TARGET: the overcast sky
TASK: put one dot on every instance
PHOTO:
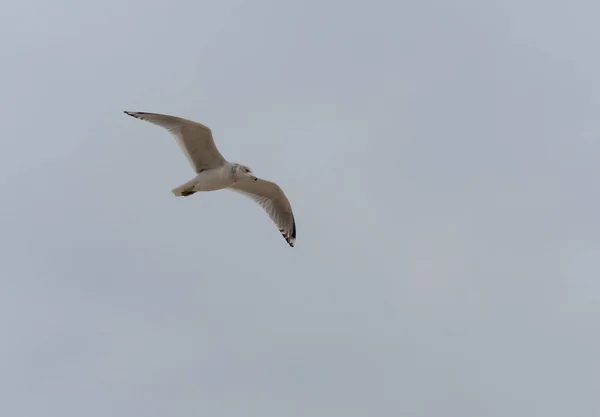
(442, 159)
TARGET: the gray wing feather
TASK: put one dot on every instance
(195, 139)
(273, 200)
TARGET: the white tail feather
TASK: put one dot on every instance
(185, 189)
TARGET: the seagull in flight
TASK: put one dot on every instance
(213, 172)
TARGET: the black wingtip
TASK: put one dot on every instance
(136, 114)
(292, 239)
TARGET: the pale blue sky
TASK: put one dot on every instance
(442, 159)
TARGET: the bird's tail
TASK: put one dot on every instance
(185, 190)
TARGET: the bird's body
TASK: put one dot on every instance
(211, 179)
(213, 172)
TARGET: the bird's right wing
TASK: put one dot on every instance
(271, 198)
(195, 139)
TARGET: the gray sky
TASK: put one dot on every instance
(442, 159)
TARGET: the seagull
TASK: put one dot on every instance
(213, 172)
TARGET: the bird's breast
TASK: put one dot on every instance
(214, 179)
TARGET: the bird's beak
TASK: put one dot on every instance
(253, 177)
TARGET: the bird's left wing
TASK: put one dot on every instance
(195, 139)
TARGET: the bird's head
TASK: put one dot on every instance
(242, 171)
